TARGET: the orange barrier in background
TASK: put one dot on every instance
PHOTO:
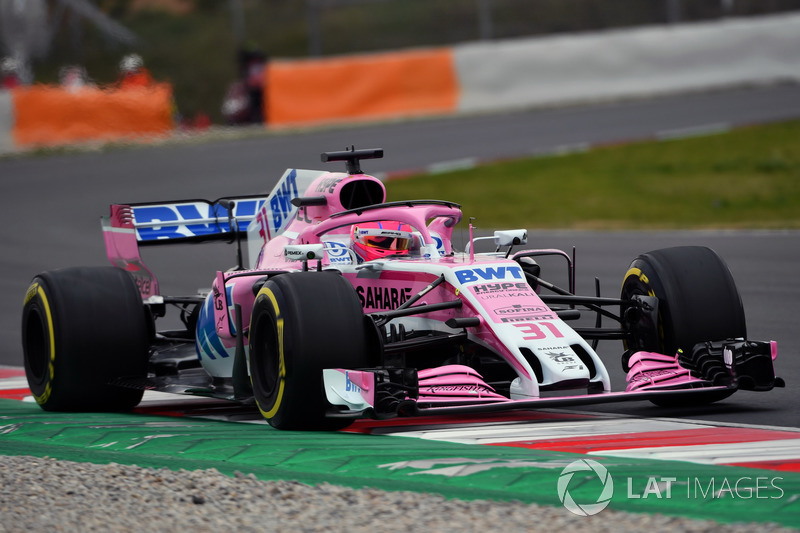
(46, 115)
(361, 87)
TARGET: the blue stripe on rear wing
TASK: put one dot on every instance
(176, 221)
(202, 220)
(193, 220)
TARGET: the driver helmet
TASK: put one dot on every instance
(375, 240)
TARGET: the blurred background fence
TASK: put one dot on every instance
(343, 26)
(194, 44)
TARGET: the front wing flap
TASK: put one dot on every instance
(411, 407)
(455, 389)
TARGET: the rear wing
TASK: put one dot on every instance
(187, 220)
(180, 221)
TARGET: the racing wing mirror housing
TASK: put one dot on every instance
(305, 253)
(511, 237)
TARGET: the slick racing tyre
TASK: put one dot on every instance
(81, 329)
(302, 323)
(697, 302)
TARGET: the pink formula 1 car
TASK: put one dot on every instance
(353, 307)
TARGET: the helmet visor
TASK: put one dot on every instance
(386, 243)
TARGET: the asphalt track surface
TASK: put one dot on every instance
(52, 204)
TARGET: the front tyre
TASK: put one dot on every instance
(697, 301)
(301, 324)
(81, 329)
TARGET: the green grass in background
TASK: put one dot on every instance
(746, 178)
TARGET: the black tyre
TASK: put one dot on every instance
(697, 301)
(82, 328)
(302, 323)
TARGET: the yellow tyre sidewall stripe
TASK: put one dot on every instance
(266, 292)
(636, 272)
(36, 290)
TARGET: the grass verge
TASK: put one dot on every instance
(746, 178)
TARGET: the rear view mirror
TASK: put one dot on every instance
(510, 237)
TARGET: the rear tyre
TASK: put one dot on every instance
(302, 323)
(82, 328)
(697, 302)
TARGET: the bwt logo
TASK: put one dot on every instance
(489, 273)
(280, 203)
(349, 386)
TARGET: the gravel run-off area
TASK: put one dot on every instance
(44, 494)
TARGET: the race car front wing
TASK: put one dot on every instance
(711, 367)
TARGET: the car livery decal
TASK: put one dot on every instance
(280, 202)
(275, 214)
(208, 343)
(489, 273)
(383, 298)
(522, 313)
(190, 219)
(338, 252)
(231, 307)
(504, 290)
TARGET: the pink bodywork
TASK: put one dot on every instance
(649, 370)
(387, 288)
(446, 384)
(123, 249)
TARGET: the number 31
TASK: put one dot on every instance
(534, 333)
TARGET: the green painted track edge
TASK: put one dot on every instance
(354, 460)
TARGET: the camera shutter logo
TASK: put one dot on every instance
(585, 509)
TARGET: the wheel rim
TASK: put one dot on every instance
(633, 286)
(268, 370)
(36, 347)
